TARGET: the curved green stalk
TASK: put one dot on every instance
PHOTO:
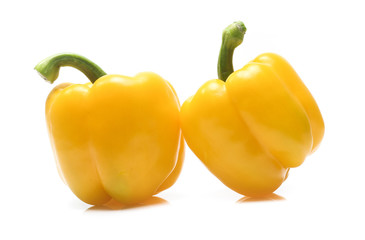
(232, 38)
(49, 68)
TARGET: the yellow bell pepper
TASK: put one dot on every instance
(250, 126)
(115, 138)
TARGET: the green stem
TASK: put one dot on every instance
(49, 68)
(232, 38)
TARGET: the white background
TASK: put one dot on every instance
(323, 40)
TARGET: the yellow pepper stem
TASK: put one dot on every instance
(232, 38)
(49, 68)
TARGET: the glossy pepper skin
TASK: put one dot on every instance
(252, 128)
(117, 138)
